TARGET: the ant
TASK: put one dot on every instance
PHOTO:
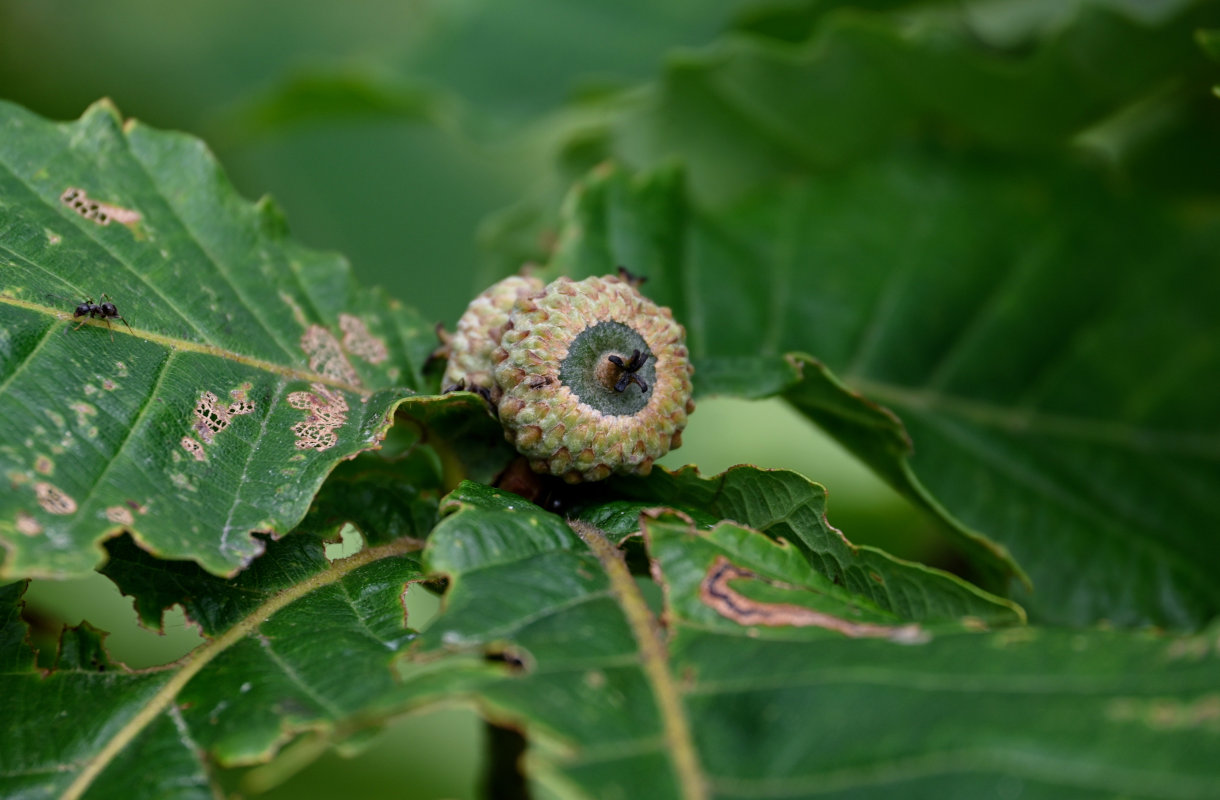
(104, 311)
(630, 368)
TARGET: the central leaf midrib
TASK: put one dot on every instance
(167, 301)
(222, 270)
(174, 344)
(56, 213)
(654, 660)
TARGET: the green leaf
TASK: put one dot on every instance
(315, 95)
(1041, 385)
(789, 507)
(766, 679)
(1209, 42)
(246, 368)
(748, 110)
(295, 644)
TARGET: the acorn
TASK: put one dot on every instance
(470, 348)
(594, 379)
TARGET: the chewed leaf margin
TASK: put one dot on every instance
(264, 675)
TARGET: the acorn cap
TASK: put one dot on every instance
(478, 333)
(595, 379)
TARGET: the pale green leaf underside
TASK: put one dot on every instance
(251, 365)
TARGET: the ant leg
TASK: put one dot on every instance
(125, 323)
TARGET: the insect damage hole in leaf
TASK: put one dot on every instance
(326, 412)
(211, 417)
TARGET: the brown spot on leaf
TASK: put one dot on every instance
(53, 499)
(44, 465)
(101, 213)
(211, 417)
(358, 341)
(193, 447)
(83, 412)
(119, 515)
(27, 525)
(326, 412)
(326, 356)
(716, 593)
(181, 481)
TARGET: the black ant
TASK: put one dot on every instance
(104, 311)
(630, 368)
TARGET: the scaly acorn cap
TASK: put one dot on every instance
(595, 379)
(478, 333)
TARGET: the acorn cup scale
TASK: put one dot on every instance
(469, 350)
(588, 377)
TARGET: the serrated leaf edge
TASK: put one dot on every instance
(194, 662)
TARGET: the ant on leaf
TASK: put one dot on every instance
(104, 311)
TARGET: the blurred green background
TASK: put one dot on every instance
(390, 131)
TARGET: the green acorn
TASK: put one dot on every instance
(595, 379)
(478, 333)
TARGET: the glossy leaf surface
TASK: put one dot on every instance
(751, 669)
(788, 506)
(768, 679)
(246, 367)
(296, 644)
(1017, 380)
